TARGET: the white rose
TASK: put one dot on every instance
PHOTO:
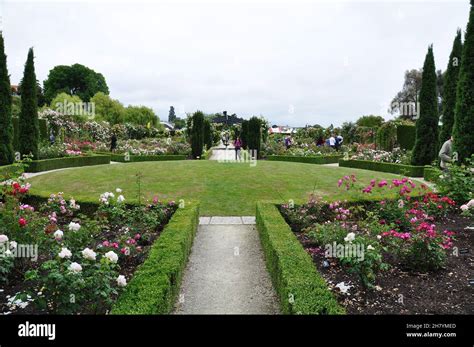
(74, 226)
(379, 237)
(350, 237)
(65, 253)
(112, 256)
(464, 207)
(120, 198)
(75, 267)
(3, 238)
(370, 248)
(7, 253)
(58, 235)
(121, 281)
(88, 253)
(13, 244)
(118, 190)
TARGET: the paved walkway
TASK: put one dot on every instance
(226, 272)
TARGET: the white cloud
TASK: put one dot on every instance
(332, 61)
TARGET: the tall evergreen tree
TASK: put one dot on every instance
(197, 134)
(208, 140)
(245, 133)
(6, 126)
(464, 113)
(28, 127)
(450, 86)
(425, 150)
(171, 115)
(254, 140)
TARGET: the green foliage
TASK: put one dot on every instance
(76, 79)
(197, 134)
(387, 136)
(29, 127)
(171, 115)
(431, 174)
(450, 86)
(6, 127)
(60, 163)
(140, 115)
(208, 134)
(370, 121)
(406, 135)
(108, 109)
(137, 158)
(244, 133)
(458, 182)
(301, 289)
(408, 170)
(426, 149)
(254, 139)
(464, 113)
(155, 285)
(324, 159)
(63, 99)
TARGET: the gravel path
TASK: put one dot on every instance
(226, 272)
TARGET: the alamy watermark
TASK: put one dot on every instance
(81, 108)
(17, 250)
(346, 250)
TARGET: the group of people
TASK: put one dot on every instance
(334, 141)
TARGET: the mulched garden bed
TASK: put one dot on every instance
(399, 291)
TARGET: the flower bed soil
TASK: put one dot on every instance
(399, 291)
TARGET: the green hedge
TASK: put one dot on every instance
(323, 159)
(155, 285)
(406, 136)
(407, 170)
(299, 285)
(16, 133)
(431, 174)
(61, 163)
(5, 170)
(137, 158)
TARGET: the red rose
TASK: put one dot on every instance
(22, 222)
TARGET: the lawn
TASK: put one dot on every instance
(226, 189)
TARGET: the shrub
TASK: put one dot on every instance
(61, 163)
(458, 181)
(254, 140)
(406, 136)
(300, 287)
(387, 136)
(408, 170)
(197, 134)
(155, 285)
(326, 159)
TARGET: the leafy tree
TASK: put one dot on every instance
(108, 109)
(197, 134)
(244, 134)
(6, 126)
(29, 127)
(450, 86)
(179, 123)
(76, 79)
(369, 121)
(63, 101)
(141, 115)
(349, 132)
(171, 115)
(464, 112)
(425, 150)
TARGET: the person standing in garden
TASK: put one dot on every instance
(332, 141)
(339, 140)
(113, 143)
(237, 146)
(445, 154)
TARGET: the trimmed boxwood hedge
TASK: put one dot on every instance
(6, 169)
(407, 170)
(323, 159)
(300, 287)
(61, 163)
(155, 285)
(137, 158)
(431, 174)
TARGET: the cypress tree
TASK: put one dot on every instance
(464, 113)
(197, 134)
(6, 125)
(245, 133)
(254, 135)
(29, 128)
(426, 142)
(208, 141)
(450, 86)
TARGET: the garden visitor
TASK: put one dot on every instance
(52, 138)
(288, 142)
(332, 142)
(320, 142)
(446, 153)
(339, 140)
(238, 146)
(113, 143)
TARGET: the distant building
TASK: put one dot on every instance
(226, 119)
(282, 129)
(15, 89)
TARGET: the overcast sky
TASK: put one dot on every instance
(294, 62)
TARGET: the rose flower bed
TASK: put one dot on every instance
(54, 259)
(409, 255)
